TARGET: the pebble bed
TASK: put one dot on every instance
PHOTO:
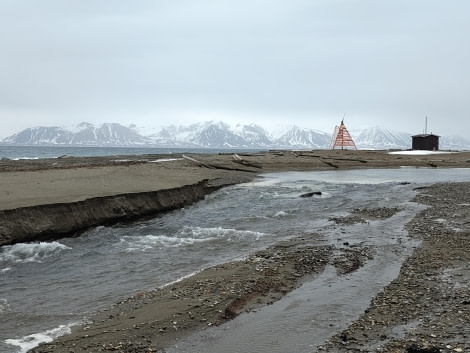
(427, 308)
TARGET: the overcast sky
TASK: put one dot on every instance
(306, 62)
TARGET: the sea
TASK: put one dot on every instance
(36, 152)
(48, 287)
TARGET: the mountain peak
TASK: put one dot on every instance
(214, 134)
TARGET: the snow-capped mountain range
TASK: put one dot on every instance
(215, 134)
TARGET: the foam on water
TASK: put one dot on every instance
(27, 342)
(186, 236)
(280, 214)
(147, 242)
(4, 306)
(4, 270)
(220, 233)
(29, 252)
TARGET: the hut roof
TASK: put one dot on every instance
(425, 135)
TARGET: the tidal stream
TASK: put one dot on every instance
(47, 287)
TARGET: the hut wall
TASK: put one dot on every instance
(428, 143)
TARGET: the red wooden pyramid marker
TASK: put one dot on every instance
(342, 138)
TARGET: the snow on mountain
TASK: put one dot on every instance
(453, 143)
(146, 130)
(253, 134)
(303, 138)
(165, 137)
(39, 136)
(86, 134)
(276, 131)
(215, 134)
(108, 134)
(379, 138)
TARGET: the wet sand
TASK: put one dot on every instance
(69, 179)
(426, 309)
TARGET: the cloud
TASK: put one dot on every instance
(388, 63)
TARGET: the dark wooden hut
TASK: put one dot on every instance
(428, 142)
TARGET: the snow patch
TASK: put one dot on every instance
(419, 152)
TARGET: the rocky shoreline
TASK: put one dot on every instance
(426, 309)
(153, 320)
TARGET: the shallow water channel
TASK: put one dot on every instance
(47, 287)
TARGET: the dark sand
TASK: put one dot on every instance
(47, 181)
(426, 309)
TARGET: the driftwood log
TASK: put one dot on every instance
(213, 166)
(329, 163)
(198, 162)
(237, 159)
(339, 159)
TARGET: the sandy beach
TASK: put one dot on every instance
(426, 309)
(39, 197)
(28, 183)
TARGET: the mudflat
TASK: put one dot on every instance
(425, 309)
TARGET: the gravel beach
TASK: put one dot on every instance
(425, 309)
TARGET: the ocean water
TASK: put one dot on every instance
(36, 152)
(47, 287)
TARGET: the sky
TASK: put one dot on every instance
(310, 63)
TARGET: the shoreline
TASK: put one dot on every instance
(56, 195)
(286, 265)
(425, 309)
(54, 221)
